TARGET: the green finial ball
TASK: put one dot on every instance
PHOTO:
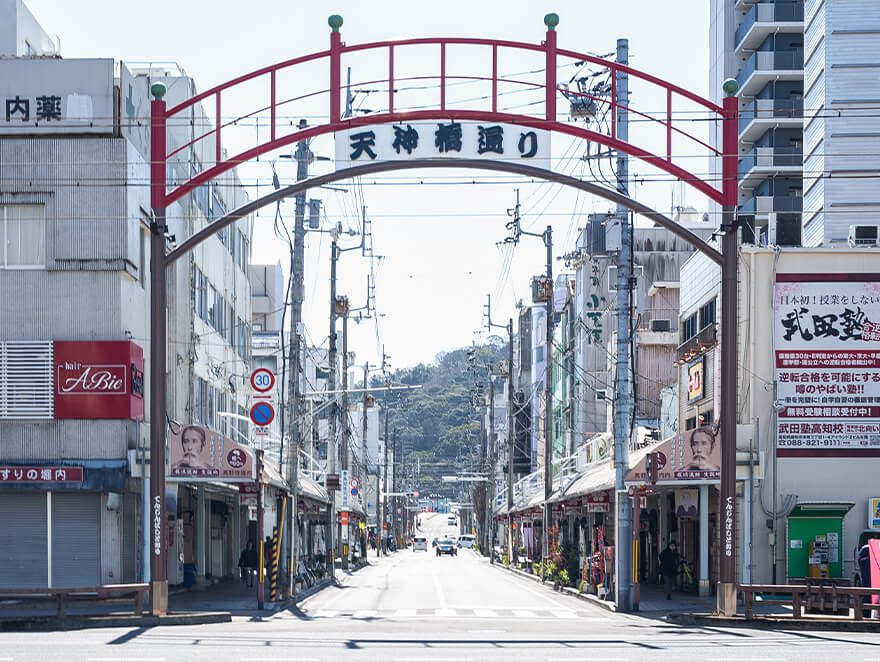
(157, 89)
(335, 22)
(730, 87)
(551, 21)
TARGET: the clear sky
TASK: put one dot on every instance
(436, 230)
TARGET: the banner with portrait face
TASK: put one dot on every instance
(694, 456)
(200, 454)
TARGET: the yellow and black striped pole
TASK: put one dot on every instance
(277, 535)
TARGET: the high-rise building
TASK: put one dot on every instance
(807, 73)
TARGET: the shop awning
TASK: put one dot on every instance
(310, 489)
(821, 509)
(594, 479)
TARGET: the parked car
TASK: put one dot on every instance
(446, 546)
(420, 543)
(466, 541)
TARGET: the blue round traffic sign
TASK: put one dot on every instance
(262, 413)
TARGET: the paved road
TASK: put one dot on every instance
(413, 606)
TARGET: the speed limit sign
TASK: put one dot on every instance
(262, 379)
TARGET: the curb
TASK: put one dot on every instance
(586, 597)
(769, 623)
(83, 622)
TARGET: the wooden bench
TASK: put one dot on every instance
(834, 597)
(91, 595)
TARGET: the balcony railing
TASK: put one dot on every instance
(770, 157)
(790, 60)
(658, 319)
(780, 12)
(770, 109)
(764, 204)
(706, 338)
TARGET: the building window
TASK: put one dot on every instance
(707, 314)
(22, 236)
(689, 328)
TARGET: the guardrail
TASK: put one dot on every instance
(819, 597)
(90, 595)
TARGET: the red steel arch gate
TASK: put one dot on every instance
(279, 136)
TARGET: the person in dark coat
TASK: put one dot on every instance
(248, 563)
(669, 567)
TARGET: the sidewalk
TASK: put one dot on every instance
(217, 603)
(653, 603)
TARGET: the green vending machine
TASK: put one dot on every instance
(815, 539)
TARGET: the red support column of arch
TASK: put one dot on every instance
(550, 75)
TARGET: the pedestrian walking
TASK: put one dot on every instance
(669, 561)
(248, 562)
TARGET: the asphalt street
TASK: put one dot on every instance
(413, 606)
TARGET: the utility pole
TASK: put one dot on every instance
(510, 429)
(395, 469)
(303, 157)
(332, 451)
(547, 237)
(342, 307)
(366, 473)
(382, 499)
(490, 474)
(511, 441)
(623, 404)
(548, 404)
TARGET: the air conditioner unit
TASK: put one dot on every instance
(661, 325)
(864, 235)
(784, 229)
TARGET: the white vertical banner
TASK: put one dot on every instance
(346, 488)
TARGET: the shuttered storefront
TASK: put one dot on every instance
(23, 545)
(76, 539)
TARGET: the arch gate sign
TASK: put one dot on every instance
(479, 133)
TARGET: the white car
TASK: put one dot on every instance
(466, 541)
(420, 543)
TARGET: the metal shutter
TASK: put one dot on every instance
(76, 539)
(23, 553)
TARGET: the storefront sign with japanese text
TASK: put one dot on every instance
(442, 139)
(41, 474)
(198, 453)
(55, 95)
(827, 346)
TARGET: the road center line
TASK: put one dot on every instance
(441, 598)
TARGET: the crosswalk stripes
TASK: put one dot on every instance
(523, 613)
(475, 612)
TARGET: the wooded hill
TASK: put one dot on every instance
(437, 426)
